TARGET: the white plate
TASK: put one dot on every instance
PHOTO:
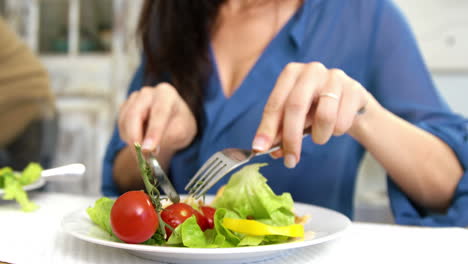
(324, 225)
(30, 187)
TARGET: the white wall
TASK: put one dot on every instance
(441, 27)
(454, 88)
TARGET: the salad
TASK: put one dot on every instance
(12, 184)
(245, 212)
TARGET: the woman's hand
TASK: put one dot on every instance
(158, 118)
(306, 95)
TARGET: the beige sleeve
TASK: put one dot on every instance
(25, 94)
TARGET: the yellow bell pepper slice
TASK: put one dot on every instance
(256, 228)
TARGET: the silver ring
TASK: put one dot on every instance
(331, 95)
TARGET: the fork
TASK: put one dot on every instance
(220, 164)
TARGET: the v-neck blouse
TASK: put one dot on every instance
(372, 43)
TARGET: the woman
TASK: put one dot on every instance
(219, 74)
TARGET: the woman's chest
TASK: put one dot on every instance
(239, 39)
(236, 50)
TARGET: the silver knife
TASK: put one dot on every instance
(162, 178)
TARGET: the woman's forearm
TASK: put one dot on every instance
(126, 173)
(422, 165)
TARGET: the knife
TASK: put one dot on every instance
(162, 178)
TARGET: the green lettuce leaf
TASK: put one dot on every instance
(213, 239)
(100, 213)
(12, 183)
(30, 174)
(192, 235)
(251, 241)
(248, 194)
(189, 234)
(176, 237)
(14, 191)
(4, 172)
(225, 235)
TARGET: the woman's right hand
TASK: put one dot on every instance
(157, 117)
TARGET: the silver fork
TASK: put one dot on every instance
(220, 164)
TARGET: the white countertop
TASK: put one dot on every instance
(37, 238)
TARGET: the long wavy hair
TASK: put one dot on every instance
(175, 36)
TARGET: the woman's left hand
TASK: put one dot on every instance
(306, 95)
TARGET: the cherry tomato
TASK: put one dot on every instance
(209, 212)
(176, 214)
(133, 217)
(202, 221)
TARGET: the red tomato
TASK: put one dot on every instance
(202, 221)
(133, 217)
(209, 212)
(176, 214)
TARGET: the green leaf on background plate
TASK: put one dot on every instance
(13, 190)
(30, 174)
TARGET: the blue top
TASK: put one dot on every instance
(372, 43)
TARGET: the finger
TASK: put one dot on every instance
(137, 116)
(273, 111)
(164, 100)
(277, 154)
(353, 101)
(124, 109)
(133, 117)
(277, 141)
(124, 106)
(329, 100)
(297, 106)
(122, 116)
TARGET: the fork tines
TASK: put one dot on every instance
(206, 176)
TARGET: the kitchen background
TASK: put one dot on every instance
(89, 48)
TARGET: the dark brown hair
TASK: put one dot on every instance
(175, 36)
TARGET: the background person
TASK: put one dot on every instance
(27, 110)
